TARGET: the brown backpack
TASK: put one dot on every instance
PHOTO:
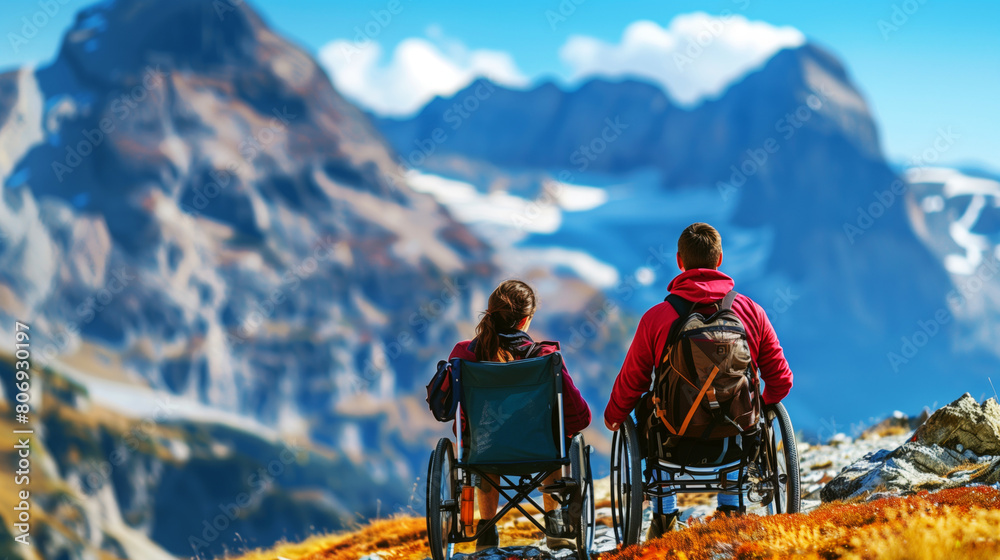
(706, 381)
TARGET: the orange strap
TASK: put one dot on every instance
(701, 395)
(713, 401)
(662, 415)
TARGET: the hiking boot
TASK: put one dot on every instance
(662, 524)
(489, 539)
(552, 525)
(730, 511)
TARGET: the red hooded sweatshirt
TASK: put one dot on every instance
(576, 412)
(704, 286)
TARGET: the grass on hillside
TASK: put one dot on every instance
(957, 523)
(57, 521)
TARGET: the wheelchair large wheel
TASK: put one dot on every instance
(442, 500)
(626, 484)
(579, 456)
(783, 456)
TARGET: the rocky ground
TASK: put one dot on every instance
(959, 445)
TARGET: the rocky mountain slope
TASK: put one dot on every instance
(190, 211)
(109, 485)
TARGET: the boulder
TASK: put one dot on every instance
(964, 422)
(958, 445)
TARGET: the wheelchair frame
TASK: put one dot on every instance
(771, 471)
(576, 483)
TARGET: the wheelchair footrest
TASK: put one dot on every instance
(559, 486)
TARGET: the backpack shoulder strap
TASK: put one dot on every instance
(683, 308)
(680, 305)
(727, 302)
(535, 348)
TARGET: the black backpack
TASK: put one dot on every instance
(441, 392)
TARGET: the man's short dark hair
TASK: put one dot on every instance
(699, 246)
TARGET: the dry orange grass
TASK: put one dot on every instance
(886, 430)
(958, 523)
(401, 537)
(396, 538)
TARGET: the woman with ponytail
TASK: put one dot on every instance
(501, 337)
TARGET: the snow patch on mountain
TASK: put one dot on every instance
(499, 213)
(147, 403)
(608, 231)
(487, 212)
(957, 216)
(961, 208)
(506, 221)
(583, 265)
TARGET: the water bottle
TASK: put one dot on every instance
(468, 510)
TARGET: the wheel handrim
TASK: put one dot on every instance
(621, 491)
(447, 497)
(780, 474)
(588, 507)
(585, 538)
(781, 501)
(441, 504)
(616, 496)
(627, 485)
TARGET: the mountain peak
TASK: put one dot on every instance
(548, 122)
(180, 34)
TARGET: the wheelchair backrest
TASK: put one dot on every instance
(698, 452)
(513, 410)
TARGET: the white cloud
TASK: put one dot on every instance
(695, 57)
(578, 198)
(416, 71)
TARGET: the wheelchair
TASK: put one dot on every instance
(767, 467)
(514, 430)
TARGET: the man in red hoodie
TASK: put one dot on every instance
(699, 255)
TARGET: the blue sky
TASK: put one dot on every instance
(939, 67)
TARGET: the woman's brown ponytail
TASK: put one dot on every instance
(508, 305)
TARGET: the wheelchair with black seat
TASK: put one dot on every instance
(766, 462)
(514, 430)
